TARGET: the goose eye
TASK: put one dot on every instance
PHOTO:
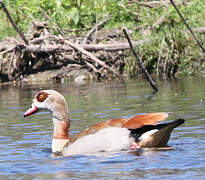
(42, 96)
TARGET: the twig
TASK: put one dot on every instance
(159, 21)
(147, 75)
(6, 59)
(165, 62)
(14, 24)
(92, 67)
(10, 65)
(7, 50)
(96, 27)
(54, 25)
(160, 54)
(39, 39)
(188, 27)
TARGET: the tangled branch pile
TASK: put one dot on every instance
(98, 53)
(46, 51)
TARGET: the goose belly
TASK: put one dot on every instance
(107, 139)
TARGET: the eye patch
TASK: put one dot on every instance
(42, 96)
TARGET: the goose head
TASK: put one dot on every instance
(55, 103)
(52, 101)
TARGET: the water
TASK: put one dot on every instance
(25, 143)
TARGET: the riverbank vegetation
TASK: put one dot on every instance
(161, 39)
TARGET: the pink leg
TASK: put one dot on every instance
(134, 145)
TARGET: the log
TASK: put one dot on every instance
(111, 46)
(38, 48)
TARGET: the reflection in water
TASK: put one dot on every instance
(25, 148)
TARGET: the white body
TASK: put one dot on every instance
(108, 139)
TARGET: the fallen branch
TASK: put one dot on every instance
(154, 4)
(92, 67)
(62, 47)
(144, 70)
(111, 46)
(199, 30)
(161, 20)
(93, 58)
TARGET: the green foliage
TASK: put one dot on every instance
(69, 13)
(172, 48)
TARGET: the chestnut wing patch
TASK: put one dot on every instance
(129, 123)
(145, 119)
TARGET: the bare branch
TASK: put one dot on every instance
(14, 24)
(141, 66)
(188, 27)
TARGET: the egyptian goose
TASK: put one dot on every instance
(113, 135)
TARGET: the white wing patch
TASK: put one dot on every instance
(108, 139)
(147, 134)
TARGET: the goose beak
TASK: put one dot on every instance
(31, 111)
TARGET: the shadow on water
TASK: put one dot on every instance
(25, 148)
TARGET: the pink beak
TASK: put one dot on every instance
(30, 111)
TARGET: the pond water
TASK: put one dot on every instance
(25, 143)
